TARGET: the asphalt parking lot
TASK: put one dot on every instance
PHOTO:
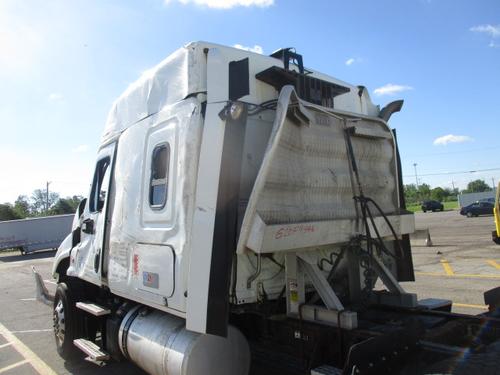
(462, 263)
(26, 340)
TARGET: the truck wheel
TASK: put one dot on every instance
(469, 214)
(67, 321)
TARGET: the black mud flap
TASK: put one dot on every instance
(492, 298)
(495, 238)
(383, 354)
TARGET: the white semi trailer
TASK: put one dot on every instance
(34, 233)
(242, 209)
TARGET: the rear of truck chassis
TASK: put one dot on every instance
(247, 216)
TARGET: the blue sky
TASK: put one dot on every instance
(62, 63)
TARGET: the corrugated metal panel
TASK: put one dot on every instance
(309, 177)
(305, 175)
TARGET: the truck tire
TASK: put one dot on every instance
(68, 323)
(469, 214)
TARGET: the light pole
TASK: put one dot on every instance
(47, 201)
(416, 177)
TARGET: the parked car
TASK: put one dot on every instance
(431, 205)
(477, 208)
(489, 200)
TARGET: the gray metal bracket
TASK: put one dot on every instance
(334, 314)
(395, 294)
(386, 276)
(321, 285)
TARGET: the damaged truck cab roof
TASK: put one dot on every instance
(184, 73)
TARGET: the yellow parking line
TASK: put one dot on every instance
(429, 274)
(493, 263)
(447, 267)
(482, 307)
(459, 276)
(14, 365)
(40, 366)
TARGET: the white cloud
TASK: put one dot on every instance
(353, 60)
(494, 45)
(226, 4)
(451, 138)
(493, 31)
(391, 89)
(55, 96)
(256, 48)
(80, 148)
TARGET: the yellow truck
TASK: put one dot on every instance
(496, 213)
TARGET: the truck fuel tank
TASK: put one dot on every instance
(160, 344)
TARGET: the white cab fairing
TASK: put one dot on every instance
(149, 245)
(156, 246)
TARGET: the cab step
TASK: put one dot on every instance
(326, 370)
(94, 353)
(93, 308)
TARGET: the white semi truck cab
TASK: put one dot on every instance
(245, 216)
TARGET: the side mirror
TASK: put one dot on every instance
(88, 226)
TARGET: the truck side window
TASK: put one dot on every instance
(159, 176)
(99, 190)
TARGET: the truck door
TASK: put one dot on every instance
(86, 260)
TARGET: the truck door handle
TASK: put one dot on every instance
(88, 226)
(97, 260)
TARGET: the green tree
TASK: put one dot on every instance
(75, 201)
(410, 191)
(22, 206)
(451, 194)
(438, 194)
(424, 191)
(7, 212)
(39, 201)
(66, 205)
(477, 186)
